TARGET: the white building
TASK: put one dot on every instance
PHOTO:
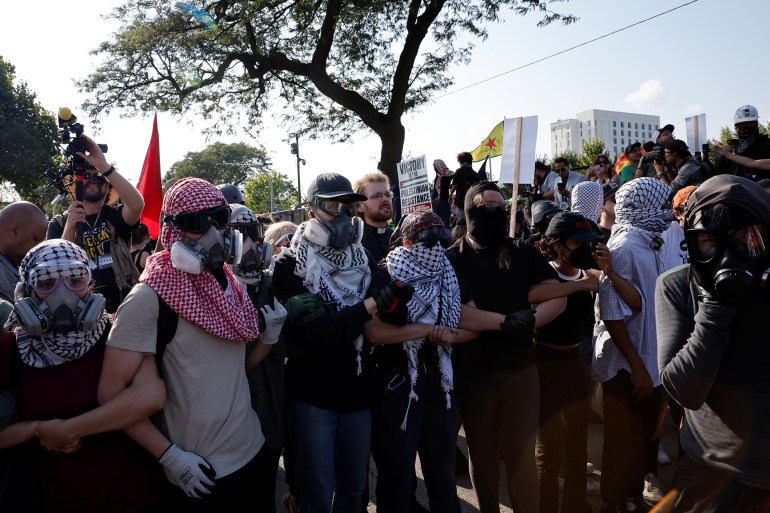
(616, 129)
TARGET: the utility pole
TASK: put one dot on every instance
(295, 151)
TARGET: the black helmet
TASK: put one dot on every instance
(232, 194)
(542, 208)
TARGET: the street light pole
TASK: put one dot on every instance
(295, 151)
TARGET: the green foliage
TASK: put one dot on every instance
(334, 67)
(28, 139)
(258, 192)
(572, 157)
(591, 150)
(221, 163)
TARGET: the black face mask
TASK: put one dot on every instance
(746, 132)
(487, 227)
(582, 258)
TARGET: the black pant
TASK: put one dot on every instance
(247, 489)
(563, 429)
(629, 425)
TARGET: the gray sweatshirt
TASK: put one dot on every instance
(715, 362)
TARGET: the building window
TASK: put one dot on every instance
(614, 132)
(614, 123)
(589, 132)
(621, 124)
(656, 127)
(636, 134)
(636, 125)
(622, 132)
(614, 140)
(589, 122)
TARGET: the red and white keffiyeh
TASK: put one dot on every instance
(198, 298)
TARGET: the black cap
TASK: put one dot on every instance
(678, 146)
(609, 188)
(631, 147)
(668, 127)
(648, 146)
(571, 225)
(332, 185)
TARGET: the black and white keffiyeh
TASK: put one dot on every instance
(436, 300)
(588, 200)
(642, 204)
(339, 277)
(56, 258)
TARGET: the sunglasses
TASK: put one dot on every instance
(286, 239)
(491, 205)
(253, 230)
(46, 285)
(200, 222)
(602, 163)
(335, 208)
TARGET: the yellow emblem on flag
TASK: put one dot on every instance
(491, 146)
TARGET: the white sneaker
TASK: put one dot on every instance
(589, 468)
(652, 492)
(663, 458)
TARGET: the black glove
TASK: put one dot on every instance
(395, 294)
(519, 323)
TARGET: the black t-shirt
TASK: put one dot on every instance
(445, 185)
(96, 242)
(498, 290)
(462, 180)
(567, 328)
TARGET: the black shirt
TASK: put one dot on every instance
(96, 242)
(462, 180)
(567, 328)
(376, 241)
(498, 290)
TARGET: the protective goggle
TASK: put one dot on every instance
(200, 222)
(433, 235)
(747, 243)
(253, 230)
(335, 208)
(285, 239)
(44, 283)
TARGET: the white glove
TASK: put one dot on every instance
(188, 471)
(274, 319)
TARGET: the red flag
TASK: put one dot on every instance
(149, 184)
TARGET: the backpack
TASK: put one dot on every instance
(167, 323)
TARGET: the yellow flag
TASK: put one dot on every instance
(491, 146)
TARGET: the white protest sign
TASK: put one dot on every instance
(413, 185)
(519, 141)
(696, 132)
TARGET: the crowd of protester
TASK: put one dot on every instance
(141, 375)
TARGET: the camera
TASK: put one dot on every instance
(74, 164)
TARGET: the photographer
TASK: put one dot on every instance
(681, 169)
(655, 152)
(543, 182)
(106, 229)
(750, 144)
(712, 319)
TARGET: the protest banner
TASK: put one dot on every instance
(413, 185)
(696, 132)
(518, 162)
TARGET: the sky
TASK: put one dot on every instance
(702, 58)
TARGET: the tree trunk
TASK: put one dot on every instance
(392, 148)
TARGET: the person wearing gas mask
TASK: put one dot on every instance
(265, 358)
(106, 229)
(712, 317)
(750, 144)
(563, 424)
(625, 352)
(209, 440)
(495, 378)
(324, 282)
(53, 353)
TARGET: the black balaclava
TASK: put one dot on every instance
(487, 227)
(728, 274)
(746, 136)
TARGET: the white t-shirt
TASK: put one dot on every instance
(208, 405)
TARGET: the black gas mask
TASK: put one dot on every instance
(730, 259)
